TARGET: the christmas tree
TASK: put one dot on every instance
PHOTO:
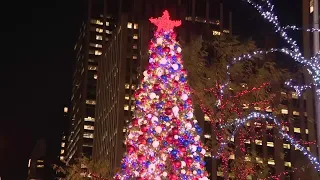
(163, 138)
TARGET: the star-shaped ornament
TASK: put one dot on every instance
(164, 22)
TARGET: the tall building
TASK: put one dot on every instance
(125, 57)
(95, 32)
(36, 163)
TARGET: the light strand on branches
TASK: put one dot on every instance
(254, 115)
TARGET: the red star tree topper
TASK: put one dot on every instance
(163, 138)
(164, 22)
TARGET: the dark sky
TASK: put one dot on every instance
(35, 76)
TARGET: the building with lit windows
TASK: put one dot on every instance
(36, 163)
(126, 55)
(94, 33)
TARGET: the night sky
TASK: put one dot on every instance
(35, 76)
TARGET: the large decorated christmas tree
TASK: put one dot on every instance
(163, 138)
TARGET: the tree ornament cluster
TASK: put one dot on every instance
(163, 138)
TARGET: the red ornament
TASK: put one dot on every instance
(182, 149)
(174, 120)
(153, 55)
(130, 149)
(177, 164)
(169, 104)
(189, 102)
(175, 131)
(143, 128)
(168, 111)
(164, 23)
(135, 121)
(175, 83)
(189, 160)
(173, 177)
(141, 157)
(166, 49)
(169, 138)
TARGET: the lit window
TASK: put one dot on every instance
(270, 144)
(126, 107)
(97, 52)
(286, 146)
(99, 30)
(226, 31)
(90, 67)
(63, 144)
(208, 136)
(135, 36)
(294, 95)
(61, 158)
(259, 160)
(297, 130)
(90, 119)
(132, 108)
(308, 148)
(133, 87)
(135, 46)
(269, 127)
(271, 162)
(296, 113)
(88, 135)
(284, 111)
(91, 102)
(208, 154)
(108, 32)
(88, 127)
(258, 142)
(288, 164)
(107, 23)
(40, 166)
(96, 45)
(283, 93)
(62, 151)
(247, 158)
(93, 21)
(257, 108)
(216, 33)
(231, 156)
(232, 139)
(65, 109)
(285, 128)
(206, 118)
(40, 161)
(307, 131)
(126, 97)
(98, 37)
(311, 6)
(129, 25)
(124, 130)
(135, 26)
(134, 57)
(95, 76)
(127, 86)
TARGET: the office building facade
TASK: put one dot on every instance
(94, 33)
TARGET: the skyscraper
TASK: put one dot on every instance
(95, 31)
(125, 58)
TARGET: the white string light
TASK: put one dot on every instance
(312, 65)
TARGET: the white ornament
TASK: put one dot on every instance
(175, 109)
(175, 66)
(165, 174)
(193, 148)
(163, 61)
(149, 116)
(130, 136)
(183, 171)
(176, 137)
(152, 95)
(154, 119)
(152, 167)
(151, 60)
(188, 126)
(159, 40)
(194, 172)
(203, 151)
(179, 49)
(155, 144)
(190, 115)
(170, 149)
(145, 73)
(140, 121)
(183, 164)
(177, 78)
(197, 138)
(184, 97)
(158, 129)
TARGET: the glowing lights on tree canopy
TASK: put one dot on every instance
(163, 138)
